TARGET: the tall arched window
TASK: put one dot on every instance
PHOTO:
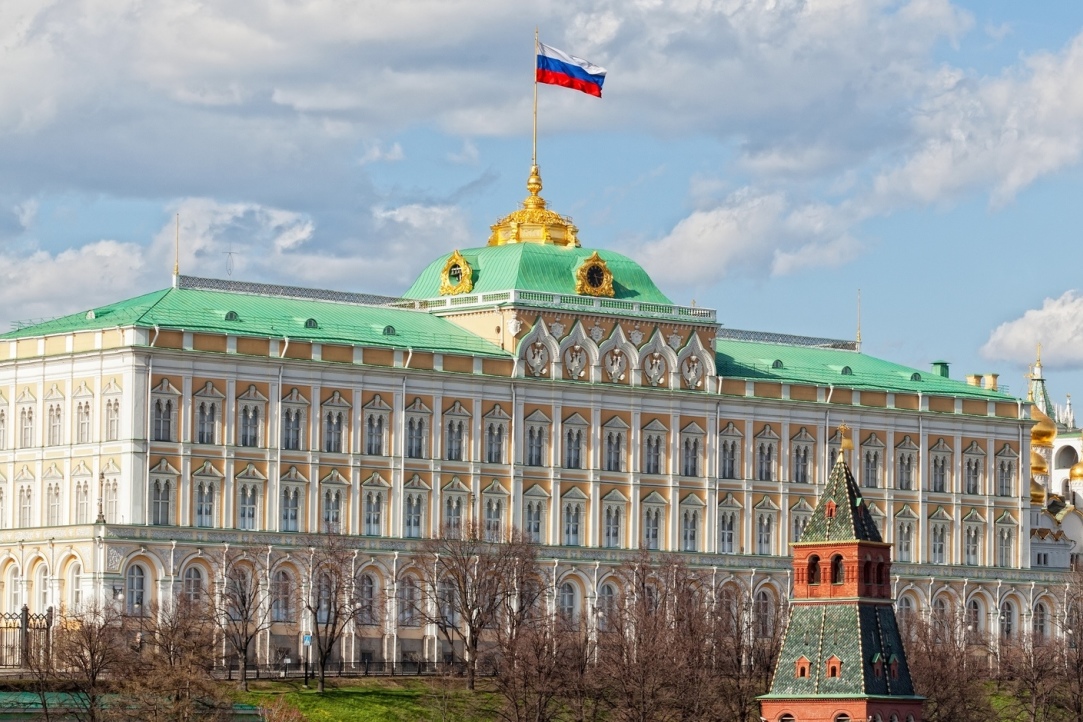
(41, 587)
(1040, 622)
(1007, 619)
(75, 585)
(566, 602)
(281, 597)
(193, 584)
(366, 593)
(763, 613)
(607, 606)
(814, 569)
(135, 589)
(838, 571)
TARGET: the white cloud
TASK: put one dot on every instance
(1057, 326)
(467, 155)
(375, 153)
(26, 212)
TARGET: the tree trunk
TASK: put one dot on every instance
(244, 671)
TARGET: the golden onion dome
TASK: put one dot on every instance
(1076, 472)
(1044, 430)
(534, 222)
(1037, 493)
(1038, 467)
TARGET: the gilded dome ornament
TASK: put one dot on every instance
(1037, 493)
(1076, 472)
(534, 222)
(1044, 430)
(1038, 465)
(593, 277)
(457, 276)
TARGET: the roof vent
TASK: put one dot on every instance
(232, 316)
(777, 364)
(940, 368)
(847, 371)
(311, 323)
(915, 376)
(389, 331)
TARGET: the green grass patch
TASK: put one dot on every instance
(377, 700)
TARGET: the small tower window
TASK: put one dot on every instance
(834, 667)
(814, 569)
(829, 509)
(311, 323)
(232, 316)
(802, 670)
(838, 572)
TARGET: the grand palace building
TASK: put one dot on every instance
(529, 383)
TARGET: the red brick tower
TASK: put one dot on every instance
(842, 656)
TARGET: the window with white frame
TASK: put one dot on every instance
(940, 467)
(800, 522)
(975, 621)
(1005, 545)
(567, 603)
(765, 533)
(905, 454)
(251, 410)
(248, 513)
(192, 588)
(205, 493)
(207, 422)
(112, 419)
(535, 503)
(938, 543)
(373, 510)
(161, 502)
(26, 427)
(82, 422)
(335, 414)
(612, 525)
(691, 450)
(290, 508)
(453, 514)
(766, 444)
(872, 453)
(367, 603)
(801, 456)
(1040, 623)
(972, 543)
(281, 597)
(52, 493)
(496, 424)
(728, 526)
(376, 425)
(413, 514)
(3, 510)
(1007, 619)
(418, 417)
(82, 502)
(56, 424)
(409, 599)
(75, 585)
(3, 429)
(164, 412)
(332, 510)
(294, 413)
(691, 520)
(135, 590)
(494, 517)
(615, 442)
(536, 438)
(654, 448)
(653, 512)
(456, 432)
(973, 469)
(110, 492)
(1005, 461)
(729, 452)
(573, 522)
(25, 507)
(575, 429)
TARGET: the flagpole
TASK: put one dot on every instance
(534, 149)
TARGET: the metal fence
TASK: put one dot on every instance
(24, 636)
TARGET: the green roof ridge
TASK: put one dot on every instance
(841, 513)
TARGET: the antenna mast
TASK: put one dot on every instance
(858, 339)
(176, 256)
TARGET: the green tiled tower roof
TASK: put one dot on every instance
(851, 520)
(538, 267)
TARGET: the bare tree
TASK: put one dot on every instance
(88, 647)
(949, 665)
(241, 606)
(470, 581)
(1030, 671)
(744, 638)
(1070, 692)
(331, 601)
(168, 675)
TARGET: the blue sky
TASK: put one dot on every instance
(767, 158)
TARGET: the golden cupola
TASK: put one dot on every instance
(1037, 493)
(1038, 465)
(534, 222)
(1044, 430)
(1076, 472)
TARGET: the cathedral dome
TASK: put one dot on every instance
(1038, 466)
(1076, 472)
(1037, 493)
(1044, 431)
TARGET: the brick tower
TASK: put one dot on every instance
(842, 656)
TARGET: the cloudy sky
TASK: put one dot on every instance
(764, 157)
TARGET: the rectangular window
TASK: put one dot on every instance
(25, 508)
(904, 477)
(494, 443)
(412, 521)
(690, 530)
(765, 462)
(454, 441)
(652, 456)
(333, 422)
(205, 505)
(250, 426)
(612, 538)
(972, 546)
(573, 449)
(938, 544)
(535, 446)
(206, 423)
(973, 476)
(652, 523)
(82, 503)
(291, 430)
(374, 502)
(291, 507)
(800, 464)
(494, 520)
(690, 457)
(871, 475)
(1005, 477)
(614, 447)
(54, 506)
(55, 425)
(765, 534)
(332, 511)
(1005, 547)
(415, 438)
(160, 498)
(162, 425)
(940, 473)
(83, 431)
(247, 508)
(800, 521)
(572, 518)
(374, 434)
(728, 468)
(112, 420)
(533, 522)
(727, 522)
(453, 516)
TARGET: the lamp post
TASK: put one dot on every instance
(101, 509)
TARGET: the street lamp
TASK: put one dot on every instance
(101, 510)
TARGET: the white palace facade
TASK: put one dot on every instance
(527, 383)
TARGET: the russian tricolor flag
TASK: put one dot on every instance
(556, 67)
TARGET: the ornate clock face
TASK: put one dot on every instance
(595, 276)
(455, 273)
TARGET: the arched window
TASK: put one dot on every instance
(366, 594)
(763, 615)
(838, 572)
(41, 587)
(135, 589)
(566, 602)
(881, 573)
(1007, 619)
(193, 584)
(814, 569)
(607, 606)
(409, 596)
(786, 717)
(843, 717)
(281, 597)
(866, 572)
(1040, 621)
(973, 621)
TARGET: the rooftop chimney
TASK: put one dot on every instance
(940, 368)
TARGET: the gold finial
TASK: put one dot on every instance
(847, 444)
(1038, 362)
(534, 186)
(534, 222)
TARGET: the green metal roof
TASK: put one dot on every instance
(828, 366)
(536, 267)
(273, 317)
(851, 520)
